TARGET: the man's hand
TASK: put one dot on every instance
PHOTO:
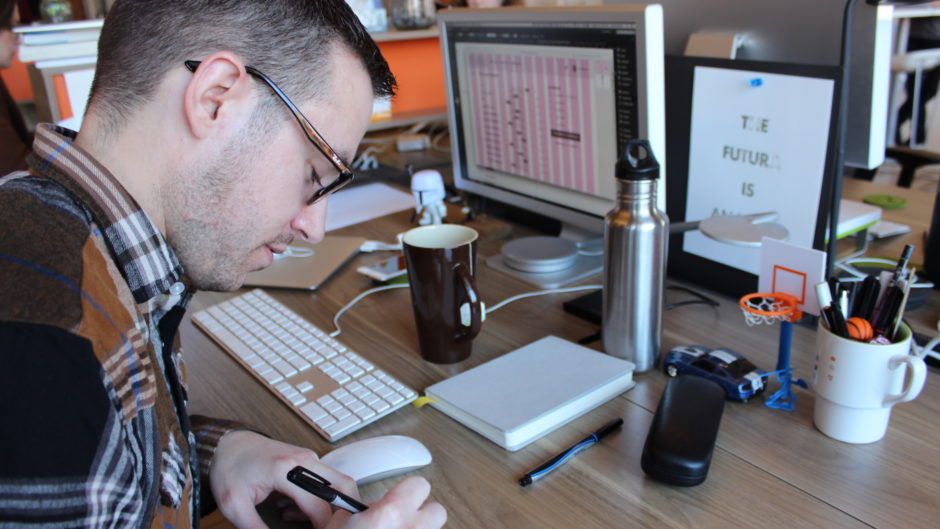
(402, 507)
(248, 467)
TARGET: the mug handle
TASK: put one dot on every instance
(468, 332)
(913, 383)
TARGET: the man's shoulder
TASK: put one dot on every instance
(45, 231)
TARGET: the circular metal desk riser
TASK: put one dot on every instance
(547, 262)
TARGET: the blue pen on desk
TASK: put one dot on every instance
(569, 452)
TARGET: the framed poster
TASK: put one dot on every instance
(746, 137)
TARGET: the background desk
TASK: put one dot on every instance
(770, 468)
(917, 215)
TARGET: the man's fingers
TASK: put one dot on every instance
(409, 493)
(316, 509)
(432, 515)
(241, 512)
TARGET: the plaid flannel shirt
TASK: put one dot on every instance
(93, 427)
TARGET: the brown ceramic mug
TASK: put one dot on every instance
(441, 261)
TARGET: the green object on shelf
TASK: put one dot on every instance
(886, 201)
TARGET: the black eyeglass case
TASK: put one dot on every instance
(682, 436)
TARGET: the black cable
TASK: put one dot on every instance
(703, 299)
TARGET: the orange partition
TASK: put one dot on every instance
(418, 66)
(62, 96)
(17, 80)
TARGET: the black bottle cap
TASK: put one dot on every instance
(637, 162)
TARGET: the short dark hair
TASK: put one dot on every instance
(289, 40)
(6, 13)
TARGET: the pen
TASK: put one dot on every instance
(905, 285)
(560, 459)
(902, 261)
(834, 318)
(320, 487)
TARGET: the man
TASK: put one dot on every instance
(14, 138)
(188, 173)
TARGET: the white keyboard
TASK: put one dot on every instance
(332, 388)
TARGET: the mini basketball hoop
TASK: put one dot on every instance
(765, 307)
(762, 307)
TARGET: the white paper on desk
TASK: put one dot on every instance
(773, 160)
(359, 204)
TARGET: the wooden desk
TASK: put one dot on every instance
(770, 468)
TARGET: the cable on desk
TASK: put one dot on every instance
(927, 351)
(507, 301)
(702, 298)
(355, 300)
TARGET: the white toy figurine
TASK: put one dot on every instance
(428, 188)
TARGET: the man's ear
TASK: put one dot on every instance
(220, 88)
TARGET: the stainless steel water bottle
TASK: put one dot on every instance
(635, 234)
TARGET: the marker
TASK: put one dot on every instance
(569, 452)
(318, 486)
(866, 298)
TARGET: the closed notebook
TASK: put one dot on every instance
(517, 398)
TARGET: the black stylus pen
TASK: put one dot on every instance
(318, 486)
(560, 459)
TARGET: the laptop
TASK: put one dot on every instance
(305, 266)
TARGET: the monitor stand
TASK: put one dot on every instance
(551, 262)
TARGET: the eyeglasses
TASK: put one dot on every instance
(345, 174)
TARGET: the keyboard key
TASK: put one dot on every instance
(272, 376)
(341, 378)
(304, 387)
(379, 405)
(325, 421)
(365, 413)
(343, 425)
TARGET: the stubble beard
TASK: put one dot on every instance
(212, 222)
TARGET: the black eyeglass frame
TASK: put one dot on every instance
(345, 174)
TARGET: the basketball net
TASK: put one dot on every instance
(760, 308)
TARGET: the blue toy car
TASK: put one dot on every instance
(740, 378)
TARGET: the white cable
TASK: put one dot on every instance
(927, 349)
(355, 300)
(541, 293)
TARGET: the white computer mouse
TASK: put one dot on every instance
(380, 457)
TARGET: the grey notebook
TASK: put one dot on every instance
(517, 398)
(306, 266)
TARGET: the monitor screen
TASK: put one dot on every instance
(542, 101)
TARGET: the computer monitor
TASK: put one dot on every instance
(802, 32)
(541, 102)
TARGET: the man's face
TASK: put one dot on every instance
(8, 41)
(239, 210)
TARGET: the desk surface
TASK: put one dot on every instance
(770, 468)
